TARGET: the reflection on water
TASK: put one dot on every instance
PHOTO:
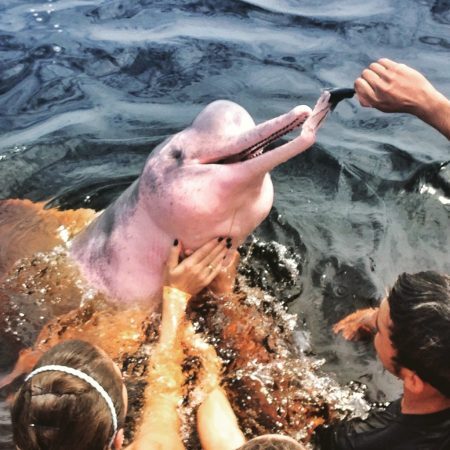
(88, 88)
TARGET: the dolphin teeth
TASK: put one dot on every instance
(259, 148)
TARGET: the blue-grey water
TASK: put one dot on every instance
(89, 87)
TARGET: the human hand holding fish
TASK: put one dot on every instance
(393, 87)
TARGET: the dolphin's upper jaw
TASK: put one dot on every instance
(261, 146)
(255, 140)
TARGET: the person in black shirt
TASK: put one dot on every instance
(411, 330)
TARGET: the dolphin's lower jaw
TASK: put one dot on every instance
(262, 146)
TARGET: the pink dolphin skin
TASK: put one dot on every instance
(211, 179)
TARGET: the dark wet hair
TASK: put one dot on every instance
(420, 331)
(55, 411)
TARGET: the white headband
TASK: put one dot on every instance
(83, 376)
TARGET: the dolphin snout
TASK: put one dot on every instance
(301, 113)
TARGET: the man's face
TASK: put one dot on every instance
(382, 341)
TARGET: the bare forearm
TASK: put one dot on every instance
(217, 424)
(358, 325)
(160, 423)
(173, 313)
(436, 113)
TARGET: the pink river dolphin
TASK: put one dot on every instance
(211, 179)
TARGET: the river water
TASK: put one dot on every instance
(89, 87)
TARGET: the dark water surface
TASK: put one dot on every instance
(89, 87)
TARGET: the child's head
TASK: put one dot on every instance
(55, 409)
(272, 442)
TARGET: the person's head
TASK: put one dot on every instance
(56, 410)
(414, 329)
(272, 442)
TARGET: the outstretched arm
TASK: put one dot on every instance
(159, 428)
(217, 424)
(359, 325)
(393, 87)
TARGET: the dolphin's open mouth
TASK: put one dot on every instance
(260, 147)
(326, 103)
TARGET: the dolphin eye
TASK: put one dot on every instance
(340, 291)
(177, 154)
